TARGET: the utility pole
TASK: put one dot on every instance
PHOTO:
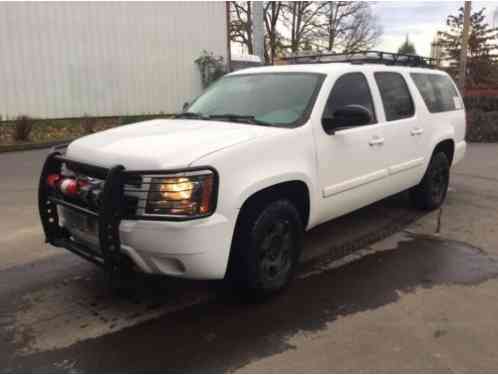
(258, 29)
(463, 52)
(229, 43)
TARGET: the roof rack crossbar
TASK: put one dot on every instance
(364, 57)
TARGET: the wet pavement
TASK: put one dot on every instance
(380, 289)
(219, 332)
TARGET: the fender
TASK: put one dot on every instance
(444, 134)
(271, 181)
(246, 168)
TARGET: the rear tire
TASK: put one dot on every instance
(431, 192)
(266, 248)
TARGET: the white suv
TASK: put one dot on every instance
(228, 188)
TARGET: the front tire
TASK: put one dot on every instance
(266, 248)
(431, 192)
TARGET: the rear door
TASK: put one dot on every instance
(403, 130)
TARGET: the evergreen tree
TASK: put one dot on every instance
(407, 48)
(482, 67)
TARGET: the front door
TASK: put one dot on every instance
(351, 162)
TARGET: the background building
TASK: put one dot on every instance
(437, 50)
(62, 60)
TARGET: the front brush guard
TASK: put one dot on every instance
(108, 215)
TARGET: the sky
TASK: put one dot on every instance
(420, 20)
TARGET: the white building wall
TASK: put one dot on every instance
(104, 58)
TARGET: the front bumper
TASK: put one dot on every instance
(196, 248)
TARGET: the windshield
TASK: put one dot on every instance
(278, 99)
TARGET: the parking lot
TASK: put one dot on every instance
(414, 292)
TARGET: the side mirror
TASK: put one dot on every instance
(347, 117)
(185, 106)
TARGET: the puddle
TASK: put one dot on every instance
(225, 334)
(448, 262)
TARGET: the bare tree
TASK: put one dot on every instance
(303, 20)
(349, 26)
(273, 12)
(341, 26)
(364, 33)
(241, 24)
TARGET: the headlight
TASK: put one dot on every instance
(188, 194)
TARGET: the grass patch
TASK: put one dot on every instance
(58, 130)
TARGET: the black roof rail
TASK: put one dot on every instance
(364, 57)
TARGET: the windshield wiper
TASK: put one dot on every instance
(244, 118)
(194, 115)
(223, 116)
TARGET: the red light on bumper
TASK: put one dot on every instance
(52, 180)
(69, 186)
(66, 185)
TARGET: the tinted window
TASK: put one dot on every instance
(398, 103)
(282, 99)
(351, 88)
(438, 92)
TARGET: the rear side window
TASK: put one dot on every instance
(398, 103)
(351, 88)
(438, 92)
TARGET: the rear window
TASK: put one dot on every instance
(438, 92)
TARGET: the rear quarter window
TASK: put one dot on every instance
(438, 92)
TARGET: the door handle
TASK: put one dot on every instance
(376, 141)
(416, 131)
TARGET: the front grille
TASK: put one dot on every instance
(132, 196)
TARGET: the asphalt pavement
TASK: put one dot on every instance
(384, 288)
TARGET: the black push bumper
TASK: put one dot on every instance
(108, 215)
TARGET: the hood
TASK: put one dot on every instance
(161, 144)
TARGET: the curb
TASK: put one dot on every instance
(32, 146)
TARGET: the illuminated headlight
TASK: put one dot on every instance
(190, 194)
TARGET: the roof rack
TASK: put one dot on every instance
(364, 57)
